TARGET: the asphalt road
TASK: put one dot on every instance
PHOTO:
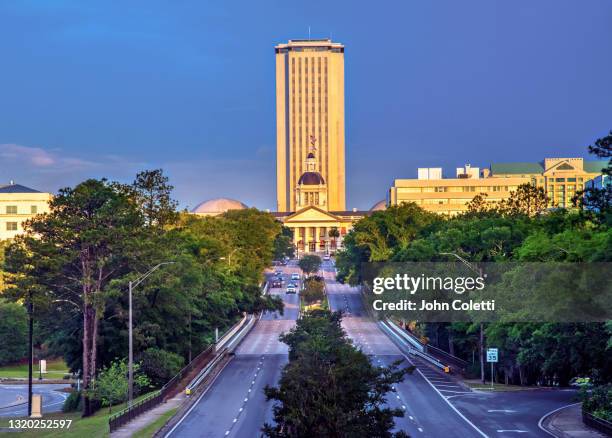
(438, 405)
(235, 404)
(14, 398)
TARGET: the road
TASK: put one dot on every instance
(14, 398)
(435, 404)
(438, 405)
(235, 404)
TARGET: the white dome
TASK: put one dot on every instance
(218, 206)
(379, 206)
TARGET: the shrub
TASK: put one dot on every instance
(73, 402)
(598, 401)
(160, 365)
(314, 290)
(111, 384)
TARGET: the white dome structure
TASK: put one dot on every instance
(379, 206)
(214, 207)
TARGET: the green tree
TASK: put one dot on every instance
(111, 385)
(329, 388)
(283, 244)
(314, 290)
(527, 200)
(160, 365)
(598, 201)
(309, 264)
(13, 332)
(74, 252)
(153, 194)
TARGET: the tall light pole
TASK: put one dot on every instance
(481, 341)
(132, 285)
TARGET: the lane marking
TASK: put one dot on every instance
(439, 393)
(541, 422)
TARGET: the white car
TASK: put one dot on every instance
(291, 289)
(295, 276)
(326, 257)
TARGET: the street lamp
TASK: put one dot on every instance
(132, 285)
(481, 335)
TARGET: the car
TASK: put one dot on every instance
(291, 290)
(295, 285)
(581, 382)
(326, 257)
(279, 273)
(295, 276)
(277, 283)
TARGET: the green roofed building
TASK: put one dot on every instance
(561, 178)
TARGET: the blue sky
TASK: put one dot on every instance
(92, 89)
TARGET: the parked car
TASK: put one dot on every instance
(581, 382)
(295, 276)
(291, 289)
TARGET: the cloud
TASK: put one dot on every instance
(41, 158)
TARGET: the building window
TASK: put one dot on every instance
(560, 179)
(11, 226)
(33, 209)
(571, 180)
(441, 189)
(11, 209)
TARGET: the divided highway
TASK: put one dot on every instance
(435, 404)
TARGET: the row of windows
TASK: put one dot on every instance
(12, 209)
(456, 189)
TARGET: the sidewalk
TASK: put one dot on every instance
(567, 423)
(148, 417)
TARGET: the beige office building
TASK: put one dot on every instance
(310, 120)
(18, 204)
(450, 196)
(561, 178)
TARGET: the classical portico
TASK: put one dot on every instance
(312, 228)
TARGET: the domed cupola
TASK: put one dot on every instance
(311, 188)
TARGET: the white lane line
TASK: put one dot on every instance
(197, 401)
(440, 394)
(541, 422)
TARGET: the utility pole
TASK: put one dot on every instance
(130, 351)
(30, 351)
(130, 332)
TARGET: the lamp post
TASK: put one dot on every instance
(30, 351)
(481, 341)
(132, 285)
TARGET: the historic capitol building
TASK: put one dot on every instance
(310, 163)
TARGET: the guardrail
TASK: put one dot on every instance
(206, 360)
(597, 423)
(390, 326)
(435, 352)
(169, 389)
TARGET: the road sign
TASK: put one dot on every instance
(492, 355)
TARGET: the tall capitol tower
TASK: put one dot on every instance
(310, 121)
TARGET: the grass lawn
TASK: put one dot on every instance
(475, 384)
(148, 431)
(95, 426)
(56, 369)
